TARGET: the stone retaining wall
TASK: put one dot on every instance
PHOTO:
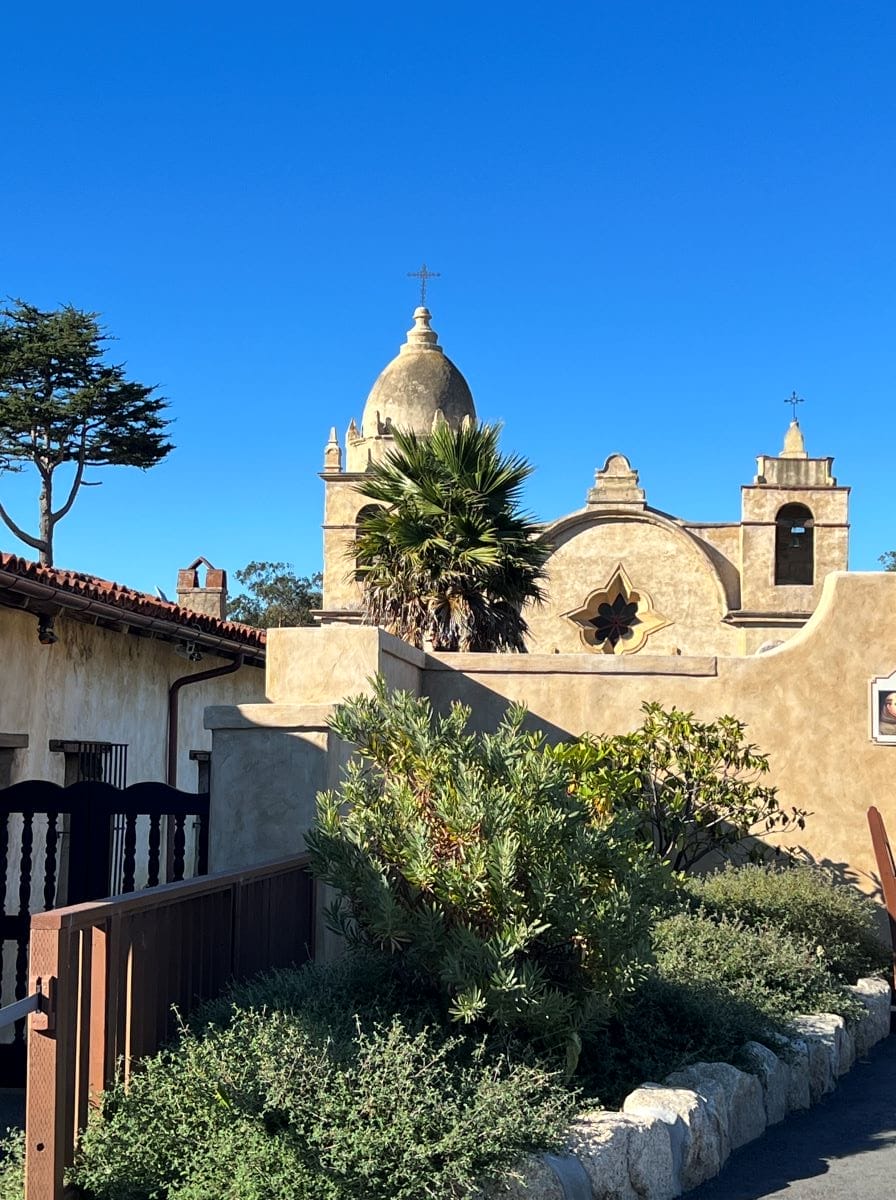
(670, 1137)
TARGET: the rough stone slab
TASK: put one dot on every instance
(825, 1036)
(736, 1095)
(875, 1025)
(625, 1157)
(774, 1077)
(799, 1090)
(698, 1137)
(535, 1181)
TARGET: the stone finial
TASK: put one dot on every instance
(794, 445)
(210, 599)
(438, 418)
(421, 336)
(616, 484)
(333, 453)
(468, 422)
(352, 434)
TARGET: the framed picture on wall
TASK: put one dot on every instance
(883, 709)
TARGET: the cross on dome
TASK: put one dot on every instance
(423, 275)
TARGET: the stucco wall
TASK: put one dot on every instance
(270, 760)
(805, 703)
(660, 557)
(96, 684)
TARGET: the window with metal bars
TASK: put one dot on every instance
(101, 762)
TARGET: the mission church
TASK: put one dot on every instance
(623, 577)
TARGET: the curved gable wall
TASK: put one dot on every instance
(660, 557)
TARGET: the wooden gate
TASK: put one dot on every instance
(67, 845)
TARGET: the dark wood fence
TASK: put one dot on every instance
(66, 845)
(110, 971)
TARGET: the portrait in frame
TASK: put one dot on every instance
(883, 709)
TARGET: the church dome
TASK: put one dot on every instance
(417, 385)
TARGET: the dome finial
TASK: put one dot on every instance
(422, 336)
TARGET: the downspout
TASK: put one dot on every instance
(173, 693)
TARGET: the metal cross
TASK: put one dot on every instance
(794, 400)
(423, 274)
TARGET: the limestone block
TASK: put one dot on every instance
(534, 1181)
(847, 1055)
(828, 1042)
(625, 1157)
(875, 995)
(795, 1053)
(698, 1137)
(735, 1095)
(774, 1077)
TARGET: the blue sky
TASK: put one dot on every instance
(653, 221)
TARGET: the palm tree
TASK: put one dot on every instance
(447, 554)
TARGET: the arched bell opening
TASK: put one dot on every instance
(794, 545)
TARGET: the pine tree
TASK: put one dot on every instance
(61, 402)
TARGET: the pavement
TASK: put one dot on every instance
(844, 1148)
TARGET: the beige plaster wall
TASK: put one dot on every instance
(660, 558)
(270, 760)
(95, 684)
(323, 664)
(806, 704)
(342, 503)
(722, 543)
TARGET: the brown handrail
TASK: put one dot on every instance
(886, 869)
(110, 971)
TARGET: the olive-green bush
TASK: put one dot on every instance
(263, 1104)
(666, 1025)
(694, 787)
(776, 974)
(716, 984)
(12, 1165)
(835, 921)
(469, 857)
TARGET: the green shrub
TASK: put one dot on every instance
(467, 856)
(265, 1106)
(667, 1025)
(695, 787)
(327, 996)
(774, 973)
(12, 1165)
(836, 921)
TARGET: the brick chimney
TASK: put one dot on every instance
(210, 598)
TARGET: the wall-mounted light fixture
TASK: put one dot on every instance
(188, 650)
(46, 634)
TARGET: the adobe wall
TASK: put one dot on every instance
(270, 760)
(805, 703)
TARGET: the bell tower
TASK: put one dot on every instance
(794, 530)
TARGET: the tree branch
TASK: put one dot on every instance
(76, 482)
(34, 542)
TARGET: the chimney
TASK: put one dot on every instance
(211, 598)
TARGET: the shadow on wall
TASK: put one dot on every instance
(488, 706)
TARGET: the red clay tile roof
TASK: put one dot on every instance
(90, 587)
